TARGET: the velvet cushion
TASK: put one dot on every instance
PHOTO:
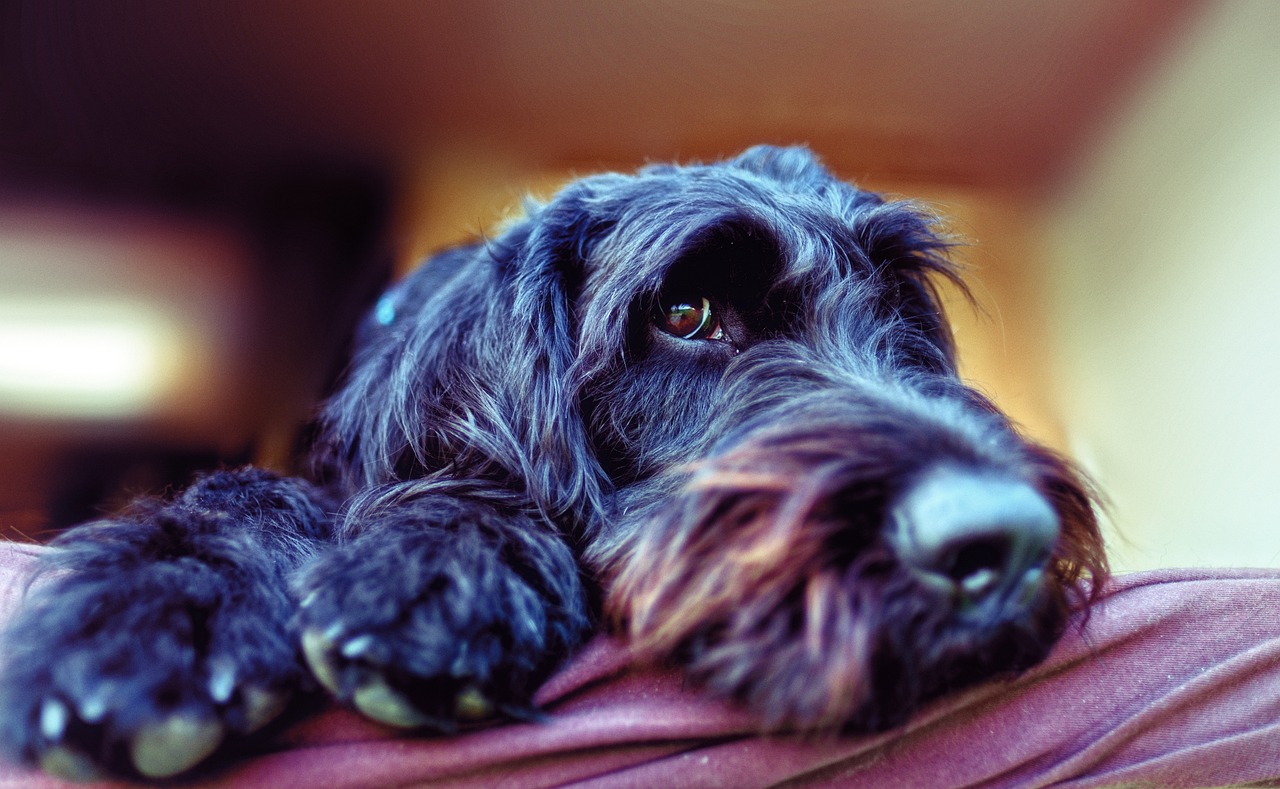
(1174, 681)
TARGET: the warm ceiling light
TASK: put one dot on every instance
(84, 360)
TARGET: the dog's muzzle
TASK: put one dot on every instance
(845, 553)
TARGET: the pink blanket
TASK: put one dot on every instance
(1174, 682)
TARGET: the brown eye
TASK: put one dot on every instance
(690, 320)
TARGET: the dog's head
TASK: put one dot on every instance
(733, 386)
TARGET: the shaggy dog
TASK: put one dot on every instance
(714, 407)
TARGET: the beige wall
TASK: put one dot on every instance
(1165, 272)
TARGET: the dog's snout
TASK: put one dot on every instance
(974, 537)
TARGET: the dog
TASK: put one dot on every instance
(713, 407)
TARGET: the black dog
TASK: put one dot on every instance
(714, 406)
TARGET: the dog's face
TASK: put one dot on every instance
(733, 387)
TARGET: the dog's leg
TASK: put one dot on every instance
(440, 605)
(153, 634)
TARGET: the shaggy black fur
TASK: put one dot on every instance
(713, 406)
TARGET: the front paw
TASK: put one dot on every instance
(143, 670)
(430, 628)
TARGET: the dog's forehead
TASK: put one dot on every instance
(655, 217)
(684, 194)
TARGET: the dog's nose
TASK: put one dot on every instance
(974, 537)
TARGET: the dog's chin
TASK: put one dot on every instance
(769, 586)
(944, 650)
(839, 650)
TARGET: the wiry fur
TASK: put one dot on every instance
(522, 453)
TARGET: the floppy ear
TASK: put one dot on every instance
(548, 274)
(905, 246)
(462, 371)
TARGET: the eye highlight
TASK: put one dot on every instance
(689, 319)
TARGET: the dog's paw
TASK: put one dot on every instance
(142, 670)
(433, 629)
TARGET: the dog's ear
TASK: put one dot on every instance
(905, 247)
(462, 370)
(546, 277)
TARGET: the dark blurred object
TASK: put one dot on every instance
(273, 333)
(99, 141)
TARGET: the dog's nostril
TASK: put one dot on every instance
(973, 535)
(976, 564)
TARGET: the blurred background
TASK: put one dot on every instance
(198, 199)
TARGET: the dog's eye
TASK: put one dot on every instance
(690, 319)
